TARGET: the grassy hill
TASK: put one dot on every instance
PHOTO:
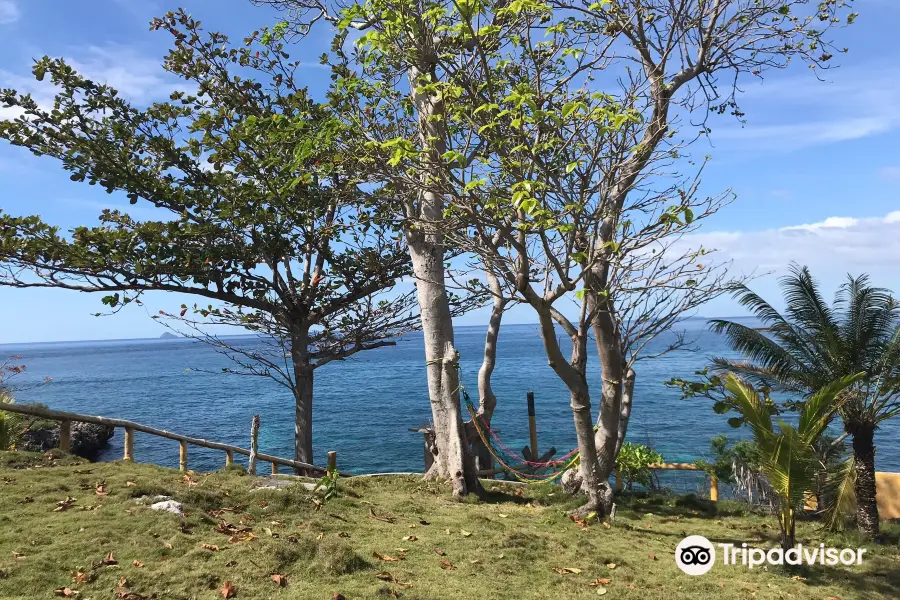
(81, 526)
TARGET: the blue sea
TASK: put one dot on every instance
(363, 406)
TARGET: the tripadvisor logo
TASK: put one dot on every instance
(695, 555)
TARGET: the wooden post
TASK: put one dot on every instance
(532, 426)
(65, 435)
(274, 468)
(332, 461)
(254, 444)
(129, 444)
(620, 484)
(229, 458)
(182, 457)
(713, 488)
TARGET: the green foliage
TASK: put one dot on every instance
(726, 454)
(786, 452)
(634, 464)
(329, 484)
(10, 424)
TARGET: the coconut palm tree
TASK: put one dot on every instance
(787, 452)
(813, 344)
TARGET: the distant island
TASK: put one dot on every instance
(168, 336)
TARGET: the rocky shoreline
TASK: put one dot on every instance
(87, 441)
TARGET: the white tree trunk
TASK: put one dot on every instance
(487, 401)
(452, 459)
(625, 408)
(612, 372)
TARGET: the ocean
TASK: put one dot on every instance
(363, 406)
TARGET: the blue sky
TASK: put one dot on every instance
(816, 169)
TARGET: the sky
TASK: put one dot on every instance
(815, 168)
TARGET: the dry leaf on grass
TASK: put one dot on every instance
(385, 557)
(109, 559)
(440, 552)
(280, 580)
(81, 577)
(503, 516)
(410, 538)
(66, 592)
(18, 555)
(601, 591)
(101, 490)
(137, 563)
(447, 565)
(168, 545)
(386, 576)
(610, 565)
(227, 590)
(597, 582)
(652, 557)
(465, 533)
(378, 517)
(130, 484)
(567, 570)
(64, 504)
(210, 547)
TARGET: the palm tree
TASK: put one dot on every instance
(814, 344)
(787, 452)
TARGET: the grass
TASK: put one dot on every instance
(503, 548)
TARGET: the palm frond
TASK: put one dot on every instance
(820, 408)
(760, 349)
(840, 494)
(805, 304)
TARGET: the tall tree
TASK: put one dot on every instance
(813, 344)
(513, 122)
(263, 212)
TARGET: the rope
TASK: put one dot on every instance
(568, 460)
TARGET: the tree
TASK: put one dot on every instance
(266, 215)
(787, 454)
(812, 344)
(512, 122)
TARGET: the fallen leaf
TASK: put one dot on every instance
(424, 523)
(597, 582)
(81, 577)
(64, 504)
(336, 596)
(475, 561)
(567, 570)
(601, 591)
(26, 500)
(279, 580)
(18, 555)
(130, 484)
(385, 557)
(500, 555)
(138, 564)
(385, 576)
(343, 534)
(101, 490)
(168, 545)
(440, 552)
(465, 533)
(378, 517)
(66, 592)
(227, 590)
(447, 565)
(109, 559)
(210, 547)
(410, 538)
(652, 557)
(610, 565)
(607, 525)
(798, 578)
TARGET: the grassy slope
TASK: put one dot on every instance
(330, 550)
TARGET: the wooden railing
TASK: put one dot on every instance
(65, 439)
(713, 480)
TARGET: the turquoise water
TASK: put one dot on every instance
(363, 406)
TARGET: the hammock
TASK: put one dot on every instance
(510, 461)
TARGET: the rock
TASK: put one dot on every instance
(87, 441)
(169, 506)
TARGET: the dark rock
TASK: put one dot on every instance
(87, 441)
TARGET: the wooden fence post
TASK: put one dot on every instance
(332, 461)
(129, 444)
(229, 458)
(182, 457)
(713, 488)
(274, 468)
(65, 435)
(532, 427)
(620, 483)
(254, 444)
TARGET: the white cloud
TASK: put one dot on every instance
(889, 173)
(9, 12)
(789, 113)
(835, 246)
(138, 78)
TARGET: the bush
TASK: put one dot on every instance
(634, 464)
